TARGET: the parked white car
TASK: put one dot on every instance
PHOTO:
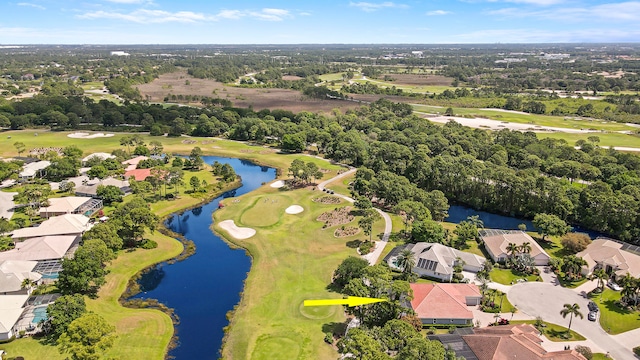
(614, 286)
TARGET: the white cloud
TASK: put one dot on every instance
(145, 16)
(369, 7)
(438, 12)
(269, 14)
(626, 11)
(31, 5)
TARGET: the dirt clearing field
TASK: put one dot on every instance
(420, 79)
(176, 83)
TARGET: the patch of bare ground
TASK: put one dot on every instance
(176, 84)
(291, 78)
(421, 79)
(338, 216)
(345, 231)
(327, 200)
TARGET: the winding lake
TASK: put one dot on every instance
(205, 286)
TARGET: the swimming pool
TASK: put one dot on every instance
(40, 314)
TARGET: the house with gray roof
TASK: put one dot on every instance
(435, 260)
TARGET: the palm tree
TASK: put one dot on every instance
(406, 262)
(601, 276)
(512, 249)
(27, 284)
(525, 247)
(571, 310)
(630, 287)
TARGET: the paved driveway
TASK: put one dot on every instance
(7, 204)
(546, 300)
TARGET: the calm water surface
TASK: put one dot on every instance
(206, 285)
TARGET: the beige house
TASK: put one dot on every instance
(68, 224)
(435, 260)
(43, 248)
(71, 205)
(11, 308)
(610, 256)
(497, 241)
(12, 275)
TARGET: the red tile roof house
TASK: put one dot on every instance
(520, 342)
(138, 174)
(445, 304)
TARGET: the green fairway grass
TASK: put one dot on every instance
(265, 211)
(292, 261)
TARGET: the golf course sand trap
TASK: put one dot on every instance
(239, 233)
(294, 209)
(277, 184)
(82, 135)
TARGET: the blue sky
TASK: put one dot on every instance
(329, 21)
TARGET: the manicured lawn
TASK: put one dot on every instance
(553, 331)
(292, 261)
(613, 319)
(508, 277)
(278, 263)
(265, 211)
(571, 284)
(552, 245)
(341, 186)
(142, 333)
(600, 356)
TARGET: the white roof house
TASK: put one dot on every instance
(29, 171)
(132, 164)
(11, 308)
(436, 260)
(13, 273)
(68, 224)
(100, 155)
(42, 248)
(70, 205)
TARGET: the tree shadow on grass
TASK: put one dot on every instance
(335, 328)
(353, 244)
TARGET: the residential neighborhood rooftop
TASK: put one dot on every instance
(68, 224)
(443, 301)
(606, 252)
(42, 248)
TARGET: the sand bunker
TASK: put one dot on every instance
(294, 209)
(277, 184)
(82, 135)
(240, 233)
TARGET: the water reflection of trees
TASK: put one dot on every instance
(152, 278)
(197, 211)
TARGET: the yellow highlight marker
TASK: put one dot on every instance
(350, 301)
